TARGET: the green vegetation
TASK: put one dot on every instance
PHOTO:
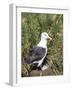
(33, 24)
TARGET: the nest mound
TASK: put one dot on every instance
(27, 72)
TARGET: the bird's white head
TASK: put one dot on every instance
(43, 42)
(45, 36)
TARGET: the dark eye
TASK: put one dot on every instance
(44, 34)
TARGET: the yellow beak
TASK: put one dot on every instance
(49, 38)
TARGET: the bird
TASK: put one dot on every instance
(38, 53)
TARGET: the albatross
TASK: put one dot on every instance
(39, 52)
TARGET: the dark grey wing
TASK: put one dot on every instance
(36, 54)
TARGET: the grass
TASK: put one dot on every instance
(32, 25)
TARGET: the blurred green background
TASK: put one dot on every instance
(32, 25)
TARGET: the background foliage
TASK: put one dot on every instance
(33, 24)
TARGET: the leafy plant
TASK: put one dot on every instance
(33, 24)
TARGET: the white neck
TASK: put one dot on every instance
(43, 43)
